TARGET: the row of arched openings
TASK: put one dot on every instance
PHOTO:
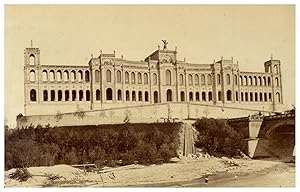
(139, 96)
(257, 81)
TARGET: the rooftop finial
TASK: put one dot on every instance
(231, 58)
(271, 56)
(222, 58)
(31, 43)
(158, 47)
(122, 56)
(114, 52)
(100, 51)
(92, 55)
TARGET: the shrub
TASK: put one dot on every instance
(217, 138)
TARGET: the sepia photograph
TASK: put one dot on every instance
(133, 95)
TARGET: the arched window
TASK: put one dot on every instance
(119, 76)
(44, 76)
(265, 81)
(109, 94)
(235, 79)
(66, 75)
(155, 97)
(229, 95)
(266, 97)
(108, 75)
(51, 76)
(255, 96)
(74, 95)
(45, 95)
(87, 95)
(219, 79)
(32, 95)
(31, 59)
(59, 95)
(119, 95)
(251, 96)
(270, 97)
(209, 79)
(246, 96)
(80, 76)
(145, 78)
(276, 69)
(236, 96)
(190, 77)
(97, 94)
(276, 82)
(32, 75)
(139, 78)
(52, 94)
(73, 77)
(196, 79)
(260, 97)
(209, 96)
(146, 96)
(191, 96)
(181, 79)
(228, 79)
(182, 96)
(140, 96)
(168, 77)
(67, 95)
(203, 96)
(197, 96)
(58, 75)
(127, 96)
(255, 81)
(80, 95)
(250, 80)
(245, 80)
(259, 81)
(242, 96)
(154, 79)
(87, 76)
(133, 96)
(169, 95)
(97, 76)
(219, 96)
(132, 78)
(126, 77)
(269, 81)
(241, 80)
(202, 79)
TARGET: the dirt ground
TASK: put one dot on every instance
(184, 170)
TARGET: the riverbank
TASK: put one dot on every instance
(185, 170)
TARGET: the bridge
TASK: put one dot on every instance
(267, 136)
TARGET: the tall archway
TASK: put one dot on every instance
(169, 95)
(32, 95)
(109, 94)
(155, 97)
(182, 96)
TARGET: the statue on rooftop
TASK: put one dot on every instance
(165, 43)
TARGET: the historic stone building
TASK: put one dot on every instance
(108, 81)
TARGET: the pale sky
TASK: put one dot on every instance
(69, 34)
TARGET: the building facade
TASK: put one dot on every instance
(108, 81)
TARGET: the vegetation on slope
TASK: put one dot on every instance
(217, 138)
(103, 145)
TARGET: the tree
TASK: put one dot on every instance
(217, 138)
